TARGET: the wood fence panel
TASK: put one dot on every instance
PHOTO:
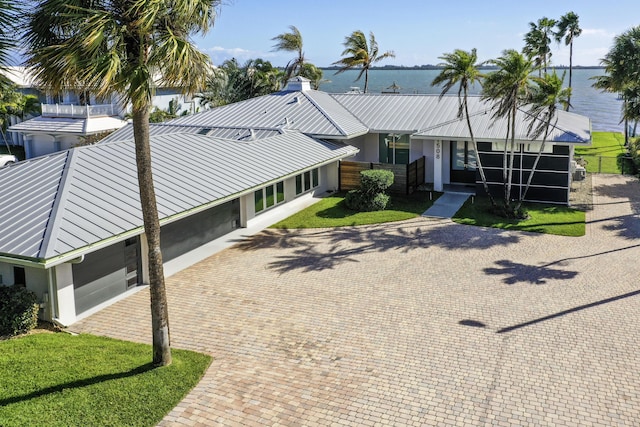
(406, 178)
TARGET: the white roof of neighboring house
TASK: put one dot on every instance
(64, 125)
(60, 205)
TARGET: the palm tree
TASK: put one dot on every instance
(8, 18)
(537, 42)
(508, 88)
(125, 46)
(291, 42)
(544, 98)
(360, 54)
(622, 68)
(568, 29)
(461, 68)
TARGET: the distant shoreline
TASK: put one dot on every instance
(436, 67)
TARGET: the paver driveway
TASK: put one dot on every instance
(423, 322)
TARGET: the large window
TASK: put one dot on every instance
(307, 180)
(268, 196)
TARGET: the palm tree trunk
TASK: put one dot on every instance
(475, 147)
(159, 311)
(535, 164)
(512, 156)
(366, 79)
(570, 74)
(505, 162)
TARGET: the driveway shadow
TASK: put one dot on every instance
(326, 249)
(625, 226)
(523, 273)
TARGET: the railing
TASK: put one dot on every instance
(70, 110)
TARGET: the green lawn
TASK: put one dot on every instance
(331, 212)
(57, 379)
(604, 155)
(543, 218)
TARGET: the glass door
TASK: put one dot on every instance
(463, 162)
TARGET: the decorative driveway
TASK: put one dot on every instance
(423, 322)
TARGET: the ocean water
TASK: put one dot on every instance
(602, 108)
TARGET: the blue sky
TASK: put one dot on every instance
(417, 31)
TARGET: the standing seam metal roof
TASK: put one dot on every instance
(68, 200)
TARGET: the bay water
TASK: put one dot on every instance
(602, 108)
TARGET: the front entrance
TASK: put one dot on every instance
(463, 162)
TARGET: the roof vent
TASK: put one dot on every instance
(253, 134)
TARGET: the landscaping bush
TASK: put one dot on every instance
(373, 182)
(370, 197)
(18, 310)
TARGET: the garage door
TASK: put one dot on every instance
(178, 238)
(105, 274)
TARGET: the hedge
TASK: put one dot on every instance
(18, 310)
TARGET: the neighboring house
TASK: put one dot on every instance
(69, 118)
(71, 221)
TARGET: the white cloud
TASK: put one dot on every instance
(597, 32)
(220, 54)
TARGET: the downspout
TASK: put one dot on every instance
(53, 301)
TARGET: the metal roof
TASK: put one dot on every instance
(80, 126)
(311, 112)
(239, 134)
(436, 117)
(57, 204)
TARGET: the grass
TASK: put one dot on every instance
(57, 379)
(605, 154)
(332, 212)
(543, 218)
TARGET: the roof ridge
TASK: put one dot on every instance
(324, 113)
(52, 228)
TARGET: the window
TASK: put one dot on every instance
(19, 276)
(394, 148)
(307, 180)
(268, 196)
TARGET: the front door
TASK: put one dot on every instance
(463, 162)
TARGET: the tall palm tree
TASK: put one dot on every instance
(360, 54)
(622, 68)
(508, 88)
(291, 42)
(568, 29)
(545, 96)
(124, 46)
(538, 41)
(461, 68)
(8, 17)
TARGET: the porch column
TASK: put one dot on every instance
(437, 166)
(144, 258)
(65, 296)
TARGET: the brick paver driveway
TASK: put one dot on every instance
(423, 322)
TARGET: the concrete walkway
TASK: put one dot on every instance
(446, 205)
(416, 323)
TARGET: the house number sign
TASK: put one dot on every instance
(438, 150)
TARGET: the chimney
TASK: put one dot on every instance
(298, 83)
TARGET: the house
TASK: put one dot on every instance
(71, 225)
(70, 118)
(399, 129)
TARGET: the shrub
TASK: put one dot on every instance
(18, 310)
(375, 181)
(370, 197)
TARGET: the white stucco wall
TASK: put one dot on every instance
(36, 278)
